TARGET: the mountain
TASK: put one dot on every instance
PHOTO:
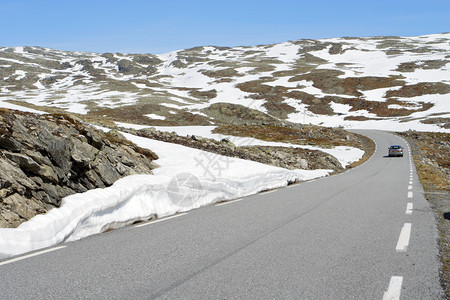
(393, 83)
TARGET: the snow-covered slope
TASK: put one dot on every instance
(395, 83)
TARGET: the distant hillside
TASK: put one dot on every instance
(394, 83)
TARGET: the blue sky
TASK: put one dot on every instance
(137, 26)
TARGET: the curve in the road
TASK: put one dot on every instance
(367, 233)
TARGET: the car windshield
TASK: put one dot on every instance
(396, 147)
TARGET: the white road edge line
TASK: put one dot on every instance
(160, 220)
(292, 185)
(410, 182)
(409, 208)
(403, 240)
(410, 194)
(394, 289)
(409, 187)
(268, 192)
(31, 255)
(229, 202)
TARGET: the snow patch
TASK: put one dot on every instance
(155, 117)
(8, 105)
(20, 74)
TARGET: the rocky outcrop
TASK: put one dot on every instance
(236, 114)
(289, 158)
(44, 158)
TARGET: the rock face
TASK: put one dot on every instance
(45, 158)
(238, 114)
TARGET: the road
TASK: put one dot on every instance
(367, 233)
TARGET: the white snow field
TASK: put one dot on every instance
(183, 182)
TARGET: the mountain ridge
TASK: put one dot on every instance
(394, 83)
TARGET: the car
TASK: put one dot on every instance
(395, 150)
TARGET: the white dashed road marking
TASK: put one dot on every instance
(410, 194)
(403, 240)
(409, 208)
(267, 192)
(229, 202)
(160, 220)
(31, 255)
(394, 289)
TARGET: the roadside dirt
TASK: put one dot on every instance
(432, 160)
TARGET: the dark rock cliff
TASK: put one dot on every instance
(44, 158)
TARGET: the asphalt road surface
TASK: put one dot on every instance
(367, 233)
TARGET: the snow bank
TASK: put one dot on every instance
(187, 179)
